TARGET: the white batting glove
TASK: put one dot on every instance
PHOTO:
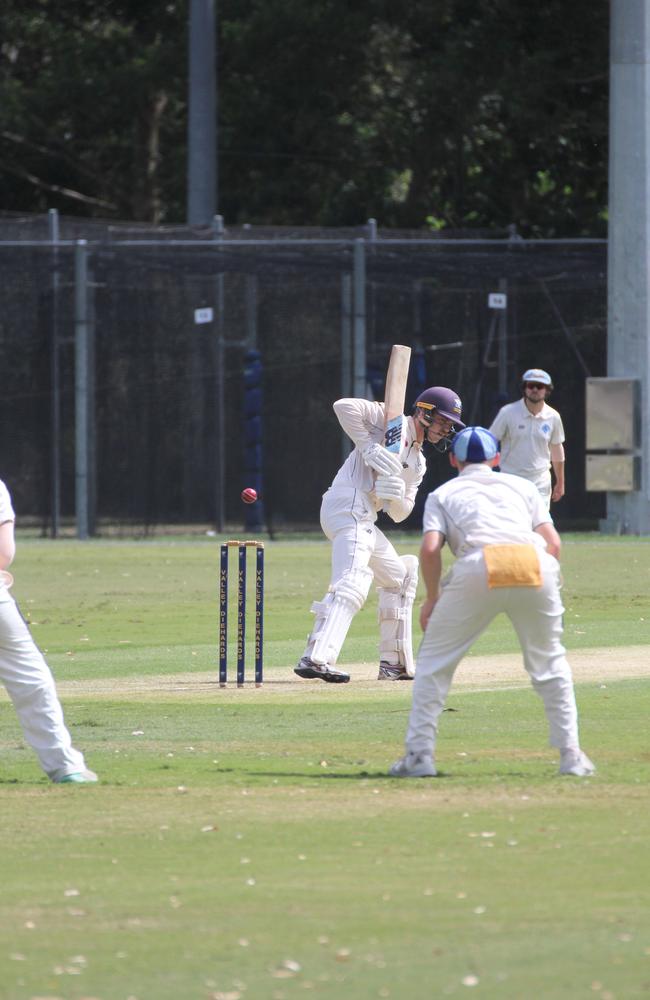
(390, 488)
(382, 461)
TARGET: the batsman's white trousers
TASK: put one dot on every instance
(30, 685)
(464, 610)
(348, 519)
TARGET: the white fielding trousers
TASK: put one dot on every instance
(540, 480)
(464, 610)
(545, 489)
(30, 685)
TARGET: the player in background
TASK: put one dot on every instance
(507, 559)
(372, 479)
(27, 677)
(531, 436)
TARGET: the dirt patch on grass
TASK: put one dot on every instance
(474, 673)
(588, 665)
(507, 670)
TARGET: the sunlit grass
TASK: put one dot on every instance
(246, 844)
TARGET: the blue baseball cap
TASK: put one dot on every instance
(475, 444)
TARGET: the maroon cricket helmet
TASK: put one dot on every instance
(440, 400)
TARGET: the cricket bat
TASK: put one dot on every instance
(395, 396)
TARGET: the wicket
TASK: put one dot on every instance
(241, 611)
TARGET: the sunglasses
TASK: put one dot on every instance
(535, 385)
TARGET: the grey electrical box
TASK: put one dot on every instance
(613, 434)
(612, 473)
(612, 414)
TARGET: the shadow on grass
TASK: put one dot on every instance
(498, 774)
(350, 776)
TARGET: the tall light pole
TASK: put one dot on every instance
(628, 332)
(202, 116)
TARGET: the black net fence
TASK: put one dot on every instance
(173, 321)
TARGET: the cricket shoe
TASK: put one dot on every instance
(392, 672)
(78, 778)
(414, 765)
(307, 668)
(575, 762)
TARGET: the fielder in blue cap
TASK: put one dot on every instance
(475, 444)
(507, 559)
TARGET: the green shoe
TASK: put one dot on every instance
(78, 778)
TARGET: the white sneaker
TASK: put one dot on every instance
(414, 765)
(575, 762)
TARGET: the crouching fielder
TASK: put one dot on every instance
(27, 677)
(507, 551)
(372, 479)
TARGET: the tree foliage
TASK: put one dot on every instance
(92, 105)
(446, 114)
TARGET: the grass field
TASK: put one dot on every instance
(249, 844)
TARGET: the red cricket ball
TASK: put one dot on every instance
(249, 495)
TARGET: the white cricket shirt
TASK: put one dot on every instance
(6, 509)
(6, 514)
(363, 422)
(526, 439)
(483, 507)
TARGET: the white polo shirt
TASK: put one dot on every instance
(526, 439)
(6, 509)
(483, 507)
(6, 514)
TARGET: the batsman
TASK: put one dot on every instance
(382, 472)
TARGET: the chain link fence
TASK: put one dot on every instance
(126, 348)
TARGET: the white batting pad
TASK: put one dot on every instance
(321, 610)
(395, 613)
(347, 597)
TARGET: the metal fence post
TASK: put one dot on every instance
(82, 506)
(502, 334)
(346, 352)
(220, 385)
(55, 386)
(251, 312)
(359, 373)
